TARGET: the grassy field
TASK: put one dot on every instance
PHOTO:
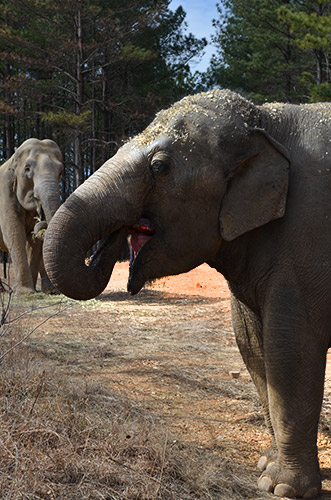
(129, 398)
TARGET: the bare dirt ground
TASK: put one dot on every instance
(172, 349)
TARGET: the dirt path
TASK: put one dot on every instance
(172, 348)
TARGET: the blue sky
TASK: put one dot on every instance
(199, 16)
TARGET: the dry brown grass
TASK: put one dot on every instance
(66, 438)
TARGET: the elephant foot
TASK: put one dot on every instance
(48, 288)
(24, 290)
(51, 291)
(268, 455)
(289, 483)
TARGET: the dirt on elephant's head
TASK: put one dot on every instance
(177, 121)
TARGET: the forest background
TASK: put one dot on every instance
(91, 73)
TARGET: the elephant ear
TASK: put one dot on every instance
(10, 176)
(256, 192)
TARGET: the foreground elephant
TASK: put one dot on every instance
(246, 189)
(29, 190)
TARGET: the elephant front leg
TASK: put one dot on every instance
(15, 239)
(36, 263)
(295, 365)
(248, 330)
(34, 254)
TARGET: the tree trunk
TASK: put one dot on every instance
(79, 170)
(9, 141)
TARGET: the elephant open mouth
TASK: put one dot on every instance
(140, 234)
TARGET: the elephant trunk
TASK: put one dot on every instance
(47, 193)
(51, 205)
(101, 208)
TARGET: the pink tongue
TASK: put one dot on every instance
(138, 240)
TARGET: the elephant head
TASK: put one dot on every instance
(35, 169)
(202, 173)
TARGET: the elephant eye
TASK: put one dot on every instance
(159, 167)
(27, 169)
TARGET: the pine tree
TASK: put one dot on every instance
(256, 52)
(310, 26)
(89, 73)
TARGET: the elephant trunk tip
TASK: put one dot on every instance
(66, 248)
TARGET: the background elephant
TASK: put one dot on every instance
(246, 189)
(29, 190)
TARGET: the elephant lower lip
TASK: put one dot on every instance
(141, 233)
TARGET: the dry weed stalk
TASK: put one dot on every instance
(5, 300)
(19, 342)
(66, 438)
(6, 294)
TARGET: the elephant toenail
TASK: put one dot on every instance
(265, 484)
(285, 490)
(262, 463)
(270, 466)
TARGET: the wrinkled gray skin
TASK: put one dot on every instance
(29, 189)
(246, 189)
